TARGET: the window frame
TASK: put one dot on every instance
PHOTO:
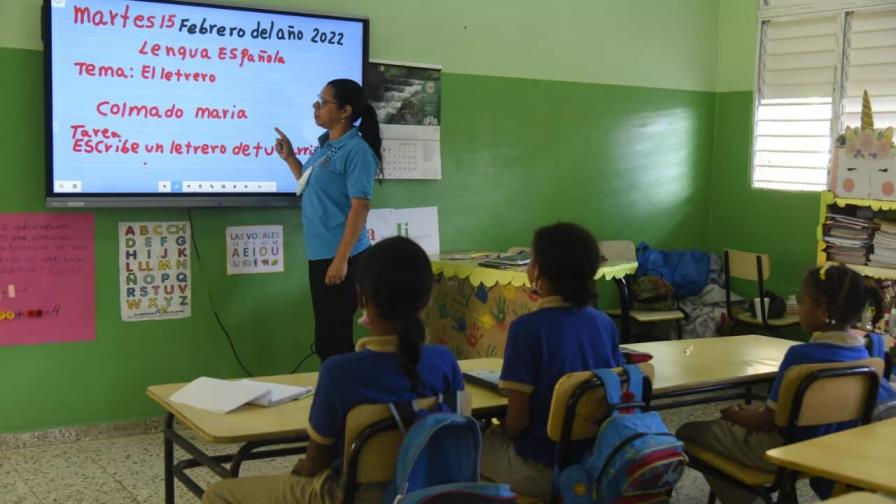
(797, 10)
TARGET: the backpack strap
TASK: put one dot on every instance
(876, 347)
(404, 413)
(635, 381)
(452, 401)
(612, 387)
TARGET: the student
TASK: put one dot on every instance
(564, 334)
(394, 282)
(886, 403)
(335, 204)
(832, 298)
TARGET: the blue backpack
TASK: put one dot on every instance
(438, 461)
(635, 459)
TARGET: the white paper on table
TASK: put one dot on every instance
(219, 396)
(278, 393)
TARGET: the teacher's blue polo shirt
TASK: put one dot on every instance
(343, 169)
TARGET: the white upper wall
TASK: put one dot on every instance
(653, 43)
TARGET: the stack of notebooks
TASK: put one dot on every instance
(884, 255)
(848, 238)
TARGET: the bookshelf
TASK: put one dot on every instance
(827, 200)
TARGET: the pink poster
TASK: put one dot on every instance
(47, 282)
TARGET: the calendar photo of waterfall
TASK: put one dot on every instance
(404, 94)
(407, 99)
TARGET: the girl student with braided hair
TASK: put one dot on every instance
(831, 299)
(392, 365)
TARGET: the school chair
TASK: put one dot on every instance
(579, 407)
(810, 395)
(757, 268)
(372, 441)
(624, 250)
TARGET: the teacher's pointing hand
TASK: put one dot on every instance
(284, 146)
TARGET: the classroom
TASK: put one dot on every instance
(635, 120)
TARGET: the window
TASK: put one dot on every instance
(870, 62)
(813, 69)
(798, 63)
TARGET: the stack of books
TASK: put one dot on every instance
(848, 238)
(884, 255)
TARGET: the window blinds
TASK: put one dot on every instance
(798, 67)
(870, 63)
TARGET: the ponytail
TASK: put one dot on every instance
(349, 92)
(842, 292)
(410, 338)
(395, 279)
(875, 303)
(370, 131)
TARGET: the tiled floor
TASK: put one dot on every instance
(129, 470)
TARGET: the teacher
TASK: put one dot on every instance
(338, 187)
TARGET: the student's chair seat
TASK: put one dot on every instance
(810, 395)
(372, 441)
(757, 268)
(579, 407)
(624, 250)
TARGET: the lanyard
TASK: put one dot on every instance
(324, 160)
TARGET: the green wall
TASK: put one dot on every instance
(780, 223)
(517, 153)
(633, 118)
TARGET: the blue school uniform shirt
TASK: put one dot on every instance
(343, 169)
(542, 346)
(825, 347)
(373, 375)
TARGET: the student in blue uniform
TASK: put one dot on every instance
(832, 298)
(564, 334)
(394, 281)
(335, 204)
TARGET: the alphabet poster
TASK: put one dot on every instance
(254, 249)
(47, 282)
(154, 270)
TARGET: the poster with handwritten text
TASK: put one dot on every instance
(254, 249)
(154, 270)
(47, 283)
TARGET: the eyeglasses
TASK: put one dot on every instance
(322, 102)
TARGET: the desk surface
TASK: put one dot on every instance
(710, 361)
(863, 456)
(692, 363)
(860, 498)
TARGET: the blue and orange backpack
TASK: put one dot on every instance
(635, 459)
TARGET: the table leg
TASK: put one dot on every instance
(169, 459)
(625, 307)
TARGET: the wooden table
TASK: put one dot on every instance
(703, 365)
(694, 367)
(260, 428)
(864, 456)
(726, 363)
(859, 498)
